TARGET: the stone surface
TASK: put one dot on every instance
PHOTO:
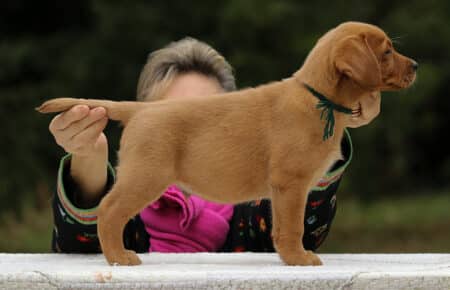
(225, 271)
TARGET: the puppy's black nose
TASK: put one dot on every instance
(414, 65)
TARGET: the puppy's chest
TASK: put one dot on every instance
(329, 159)
(333, 156)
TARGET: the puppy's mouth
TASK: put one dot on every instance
(409, 80)
(404, 83)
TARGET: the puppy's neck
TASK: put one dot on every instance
(337, 89)
(313, 95)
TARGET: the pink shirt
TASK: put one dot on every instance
(179, 224)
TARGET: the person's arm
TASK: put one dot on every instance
(80, 132)
(89, 173)
(84, 177)
(322, 199)
(75, 226)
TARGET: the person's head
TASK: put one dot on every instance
(186, 67)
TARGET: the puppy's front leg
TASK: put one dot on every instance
(288, 211)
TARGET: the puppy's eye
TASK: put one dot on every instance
(388, 52)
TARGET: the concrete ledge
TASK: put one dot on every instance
(225, 271)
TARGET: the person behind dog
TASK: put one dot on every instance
(175, 222)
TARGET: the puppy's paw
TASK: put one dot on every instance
(126, 258)
(302, 258)
(314, 258)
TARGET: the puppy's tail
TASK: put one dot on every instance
(118, 111)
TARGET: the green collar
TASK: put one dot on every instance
(327, 107)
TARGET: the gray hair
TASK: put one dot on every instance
(185, 55)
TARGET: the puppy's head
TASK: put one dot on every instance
(363, 54)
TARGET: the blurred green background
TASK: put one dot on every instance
(395, 196)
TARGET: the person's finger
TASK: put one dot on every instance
(65, 119)
(77, 127)
(64, 137)
(89, 135)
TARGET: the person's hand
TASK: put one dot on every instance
(369, 109)
(80, 130)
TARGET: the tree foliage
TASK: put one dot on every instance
(96, 49)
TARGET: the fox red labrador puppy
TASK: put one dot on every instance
(274, 141)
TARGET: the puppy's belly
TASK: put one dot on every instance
(224, 190)
(225, 181)
(230, 194)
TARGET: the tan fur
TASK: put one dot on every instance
(263, 142)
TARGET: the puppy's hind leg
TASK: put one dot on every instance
(127, 197)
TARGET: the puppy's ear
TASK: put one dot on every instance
(354, 58)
